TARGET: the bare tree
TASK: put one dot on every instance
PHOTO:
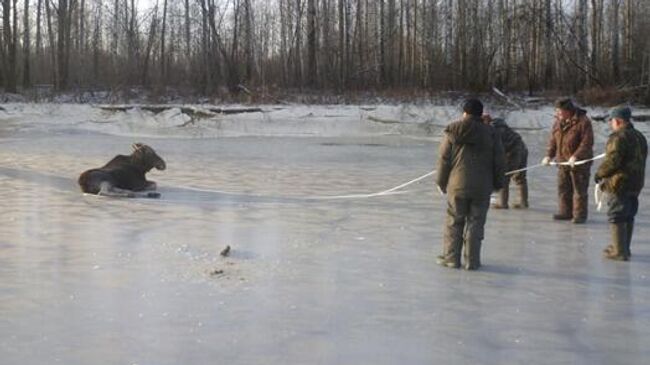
(207, 46)
(163, 55)
(615, 56)
(9, 45)
(311, 43)
(27, 81)
(64, 12)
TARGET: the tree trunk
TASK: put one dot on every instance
(342, 55)
(250, 61)
(50, 33)
(596, 21)
(549, 53)
(615, 57)
(63, 28)
(311, 43)
(27, 80)
(163, 55)
(9, 46)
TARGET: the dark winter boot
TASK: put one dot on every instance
(580, 204)
(608, 249)
(472, 255)
(523, 197)
(448, 262)
(502, 202)
(579, 220)
(630, 230)
(619, 240)
(561, 217)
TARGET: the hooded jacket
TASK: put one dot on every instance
(513, 145)
(471, 160)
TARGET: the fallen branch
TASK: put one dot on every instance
(385, 121)
(235, 110)
(191, 111)
(638, 118)
(508, 99)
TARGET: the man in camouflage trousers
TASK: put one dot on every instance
(572, 139)
(471, 164)
(516, 158)
(622, 175)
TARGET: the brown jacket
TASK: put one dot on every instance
(471, 160)
(572, 137)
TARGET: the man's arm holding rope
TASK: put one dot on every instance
(553, 163)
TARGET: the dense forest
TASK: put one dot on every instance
(205, 47)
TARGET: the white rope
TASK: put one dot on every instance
(393, 190)
(524, 169)
(577, 163)
(390, 191)
(599, 196)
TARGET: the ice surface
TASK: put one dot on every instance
(87, 280)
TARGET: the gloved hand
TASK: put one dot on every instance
(442, 192)
(572, 161)
(546, 161)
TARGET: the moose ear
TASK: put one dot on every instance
(136, 146)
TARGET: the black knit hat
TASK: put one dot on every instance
(565, 104)
(473, 107)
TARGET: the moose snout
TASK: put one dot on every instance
(161, 165)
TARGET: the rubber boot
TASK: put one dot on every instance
(472, 255)
(630, 230)
(619, 240)
(445, 261)
(626, 249)
(502, 202)
(580, 198)
(608, 249)
(523, 197)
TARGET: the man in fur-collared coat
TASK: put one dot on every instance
(572, 139)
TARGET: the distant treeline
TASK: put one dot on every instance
(212, 46)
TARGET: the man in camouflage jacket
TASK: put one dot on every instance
(471, 164)
(516, 158)
(622, 176)
(572, 139)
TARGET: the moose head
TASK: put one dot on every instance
(147, 157)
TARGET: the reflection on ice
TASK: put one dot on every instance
(332, 281)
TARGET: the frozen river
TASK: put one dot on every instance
(87, 280)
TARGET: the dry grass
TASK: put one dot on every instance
(605, 96)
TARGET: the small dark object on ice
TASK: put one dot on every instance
(153, 194)
(226, 251)
(216, 272)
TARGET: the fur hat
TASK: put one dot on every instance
(565, 104)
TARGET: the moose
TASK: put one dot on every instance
(123, 176)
